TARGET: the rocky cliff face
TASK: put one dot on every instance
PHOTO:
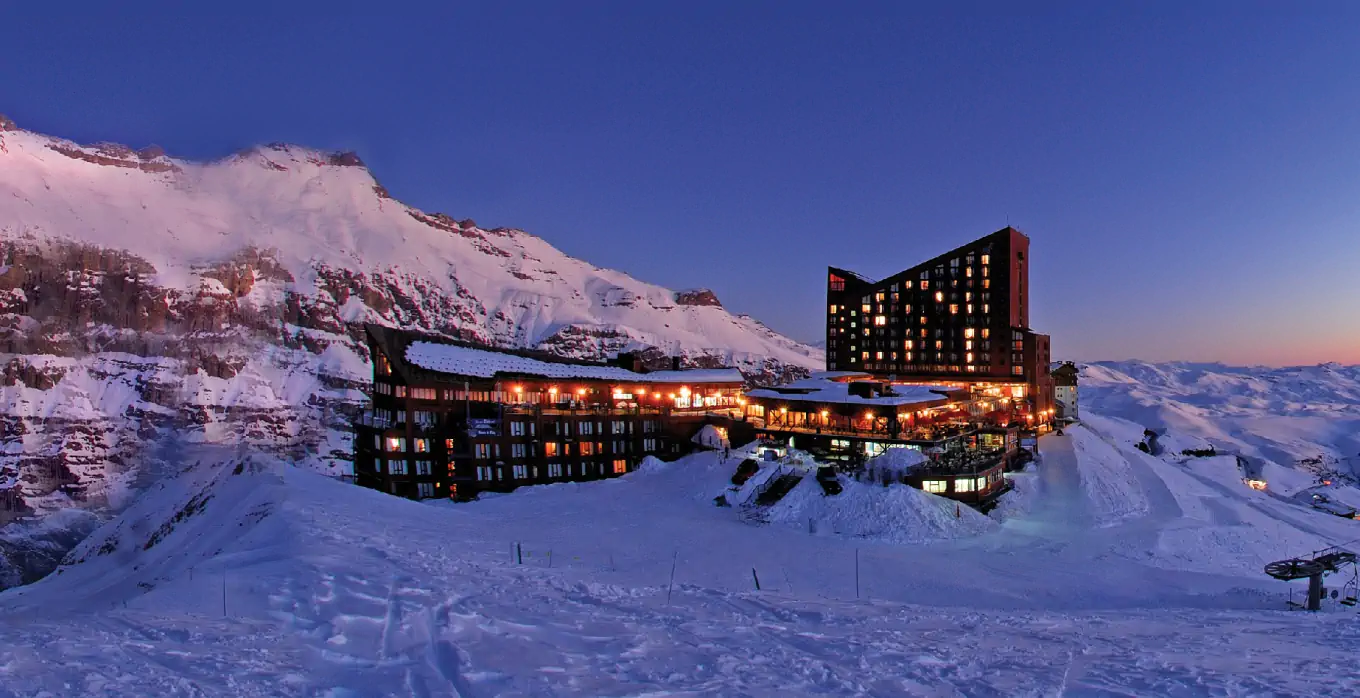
(144, 297)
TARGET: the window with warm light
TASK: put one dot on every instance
(620, 466)
(935, 486)
(880, 320)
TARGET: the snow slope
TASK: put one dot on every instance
(329, 589)
(1306, 417)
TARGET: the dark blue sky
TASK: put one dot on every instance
(1188, 175)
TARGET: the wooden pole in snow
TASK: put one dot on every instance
(671, 586)
(857, 573)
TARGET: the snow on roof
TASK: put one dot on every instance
(486, 363)
(832, 375)
(813, 390)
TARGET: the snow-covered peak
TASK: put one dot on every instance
(312, 213)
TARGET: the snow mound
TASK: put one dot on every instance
(895, 514)
(711, 437)
(894, 462)
(652, 464)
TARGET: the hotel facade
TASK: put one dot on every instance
(452, 419)
(938, 357)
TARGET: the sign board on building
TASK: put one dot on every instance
(484, 427)
(1029, 443)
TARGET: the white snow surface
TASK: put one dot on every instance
(481, 363)
(825, 390)
(247, 577)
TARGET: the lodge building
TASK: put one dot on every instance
(961, 318)
(453, 419)
(939, 357)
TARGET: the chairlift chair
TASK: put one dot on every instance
(1350, 588)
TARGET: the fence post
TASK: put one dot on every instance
(755, 577)
(857, 573)
(519, 553)
(671, 586)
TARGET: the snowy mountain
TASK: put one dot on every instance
(1305, 417)
(141, 295)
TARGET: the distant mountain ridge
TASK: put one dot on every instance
(143, 295)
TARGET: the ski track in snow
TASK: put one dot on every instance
(339, 591)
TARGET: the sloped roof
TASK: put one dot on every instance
(488, 363)
(813, 390)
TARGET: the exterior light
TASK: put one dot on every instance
(519, 388)
(580, 391)
(552, 390)
(825, 414)
(684, 391)
(869, 415)
(782, 410)
(656, 396)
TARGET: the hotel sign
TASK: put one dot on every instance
(484, 427)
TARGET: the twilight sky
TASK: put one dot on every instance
(1189, 172)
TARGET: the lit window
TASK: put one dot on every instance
(953, 308)
(968, 332)
(833, 308)
(866, 308)
(939, 296)
(1017, 370)
(986, 259)
(550, 449)
(969, 345)
(865, 356)
(907, 344)
(936, 486)
(620, 466)
(880, 320)
(981, 483)
(963, 485)
(985, 332)
(924, 284)
(878, 356)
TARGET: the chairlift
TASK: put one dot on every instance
(1350, 588)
